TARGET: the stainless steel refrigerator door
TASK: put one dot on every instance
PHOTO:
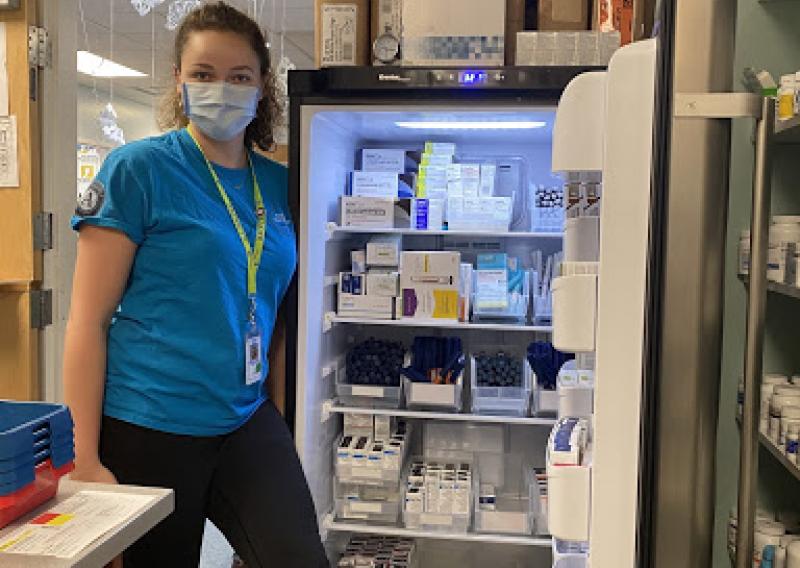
(688, 323)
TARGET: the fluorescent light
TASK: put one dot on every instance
(96, 66)
(473, 125)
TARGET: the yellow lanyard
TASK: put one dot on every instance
(254, 252)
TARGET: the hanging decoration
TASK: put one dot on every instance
(178, 10)
(145, 6)
(107, 118)
(282, 82)
(108, 124)
(282, 92)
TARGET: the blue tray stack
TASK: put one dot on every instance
(36, 441)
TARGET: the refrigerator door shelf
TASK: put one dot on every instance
(575, 313)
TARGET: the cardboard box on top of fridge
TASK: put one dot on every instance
(387, 24)
(429, 284)
(454, 32)
(616, 15)
(341, 35)
(564, 14)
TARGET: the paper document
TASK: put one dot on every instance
(9, 155)
(71, 526)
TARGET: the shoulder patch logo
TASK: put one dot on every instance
(90, 199)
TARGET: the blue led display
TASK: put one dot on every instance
(472, 77)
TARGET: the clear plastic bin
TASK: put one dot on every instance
(350, 473)
(367, 503)
(513, 512)
(447, 398)
(366, 395)
(516, 309)
(545, 402)
(503, 401)
(436, 522)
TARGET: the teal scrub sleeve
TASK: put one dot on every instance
(118, 197)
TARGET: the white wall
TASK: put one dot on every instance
(136, 119)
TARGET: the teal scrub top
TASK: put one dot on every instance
(176, 345)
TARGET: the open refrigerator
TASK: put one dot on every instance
(567, 480)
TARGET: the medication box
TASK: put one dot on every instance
(373, 184)
(375, 212)
(369, 307)
(384, 250)
(383, 160)
(429, 283)
(383, 283)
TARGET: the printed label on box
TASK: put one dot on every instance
(339, 25)
(365, 507)
(372, 392)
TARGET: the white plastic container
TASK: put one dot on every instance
(440, 397)
(793, 555)
(789, 415)
(784, 234)
(767, 533)
(744, 253)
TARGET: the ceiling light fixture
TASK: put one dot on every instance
(96, 66)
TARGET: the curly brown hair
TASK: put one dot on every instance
(219, 16)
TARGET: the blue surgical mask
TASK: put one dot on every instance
(220, 110)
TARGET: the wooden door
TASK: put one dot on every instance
(20, 266)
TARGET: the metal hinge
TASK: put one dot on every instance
(717, 105)
(40, 51)
(43, 231)
(41, 308)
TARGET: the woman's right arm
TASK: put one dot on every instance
(105, 257)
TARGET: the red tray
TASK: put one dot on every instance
(44, 488)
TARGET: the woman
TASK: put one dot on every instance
(185, 252)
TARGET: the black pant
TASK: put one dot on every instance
(249, 483)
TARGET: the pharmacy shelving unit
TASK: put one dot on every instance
(779, 455)
(769, 132)
(778, 288)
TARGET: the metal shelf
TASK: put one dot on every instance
(442, 324)
(779, 455)
(332, 407)
(339, 526)
(787, 131)
(334, 230)
(776, 288)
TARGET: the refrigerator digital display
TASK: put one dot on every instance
(470, 78)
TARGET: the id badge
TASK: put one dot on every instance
(253, 364)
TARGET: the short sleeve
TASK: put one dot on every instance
(118, 197)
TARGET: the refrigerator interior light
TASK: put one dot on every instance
(472, 125)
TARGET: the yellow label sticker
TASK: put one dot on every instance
(445, 304)
(60, 520)
(9, 543)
